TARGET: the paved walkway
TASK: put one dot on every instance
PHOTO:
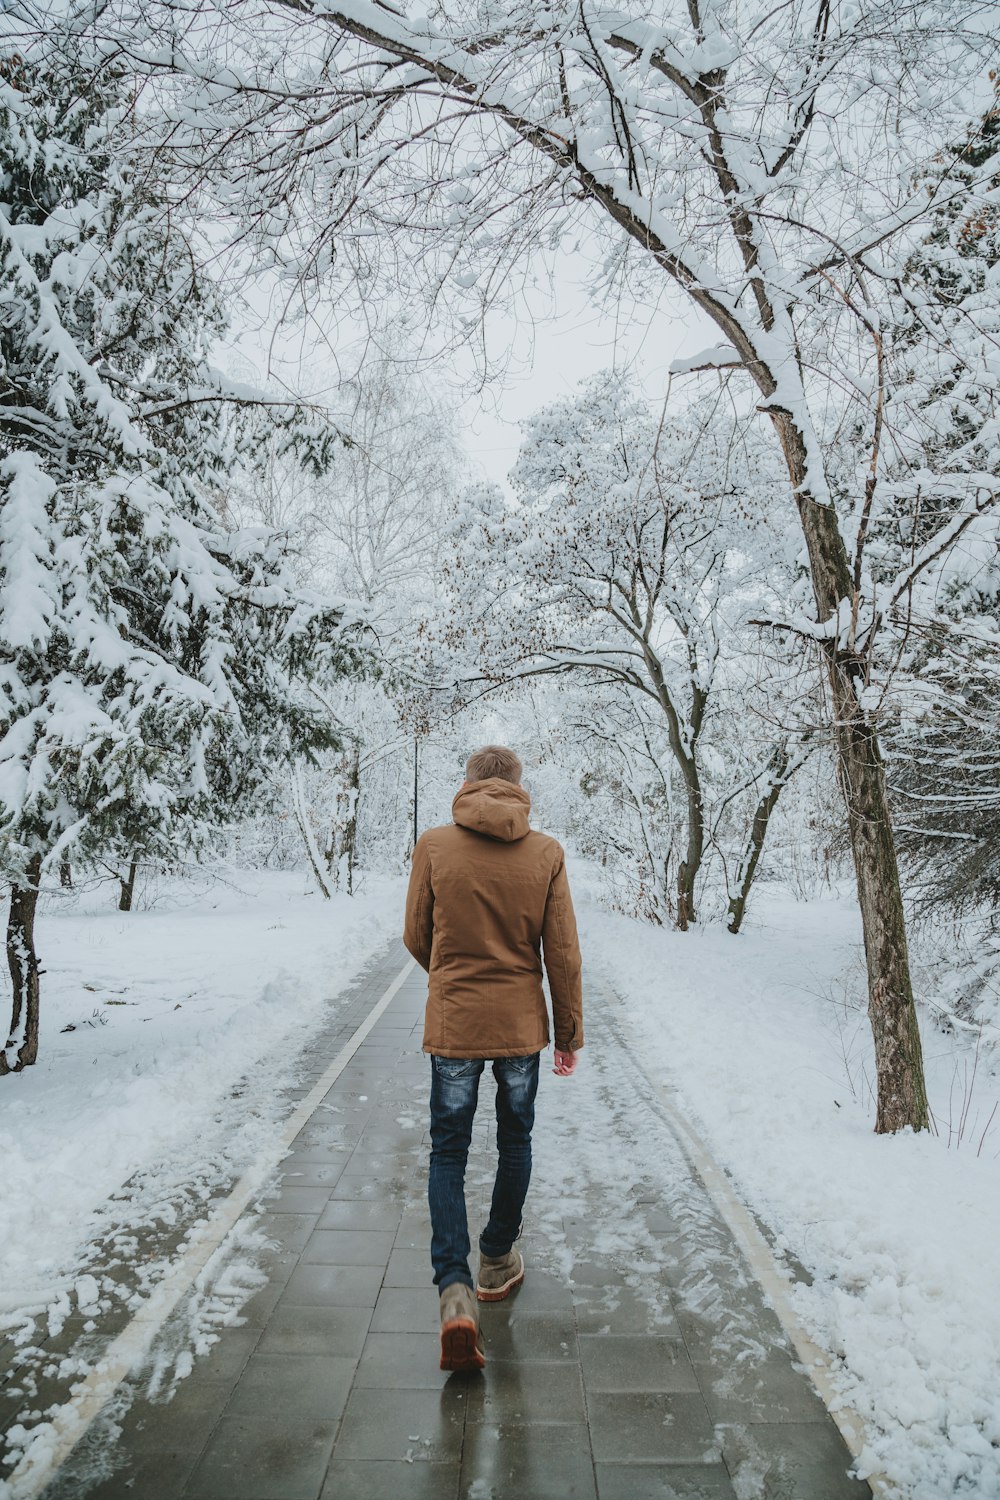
(638, 1360)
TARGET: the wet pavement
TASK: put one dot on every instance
(638, 1360)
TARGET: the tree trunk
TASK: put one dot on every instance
(128, 888)
(350, 838)
(687, 870)
(758, 833)
(22, 961)
(902, 1094)
(683, 743)
(342, 844)
(308, 838)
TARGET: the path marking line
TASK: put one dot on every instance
(56, 1440)
(760, 1258)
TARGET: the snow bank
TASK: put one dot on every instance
(765, 1037)
(169, 1008)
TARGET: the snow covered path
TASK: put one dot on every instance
(639, 1359)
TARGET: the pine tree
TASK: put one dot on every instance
(945, 771)
(152, 658)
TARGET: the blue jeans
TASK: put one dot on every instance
(454, 1095)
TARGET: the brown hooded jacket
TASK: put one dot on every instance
(488, 895)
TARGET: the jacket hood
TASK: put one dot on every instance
(496, 808)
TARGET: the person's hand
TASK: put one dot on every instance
(565, 1064)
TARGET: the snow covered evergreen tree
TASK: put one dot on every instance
(151, 656)
(945, 770)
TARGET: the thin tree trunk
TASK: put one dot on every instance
(687, 870)
(342, 843)
(22, 960)
(902, 1094)
(128, 888)
(683, 742)
(308, 838)
(350, 839)
(758, 833)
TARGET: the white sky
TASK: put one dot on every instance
(570, 341)
(541, 351)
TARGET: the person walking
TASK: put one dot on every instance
(488, 899)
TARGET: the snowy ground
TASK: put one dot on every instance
(169, 1008)
(766, 1039)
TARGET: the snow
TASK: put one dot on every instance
(150, 1020)
(765, 1038)
(719, 356)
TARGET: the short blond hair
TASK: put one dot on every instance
(493, 760)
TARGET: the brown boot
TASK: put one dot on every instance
(499, 1275)
(461, 1340)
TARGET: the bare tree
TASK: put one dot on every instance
(625, 559)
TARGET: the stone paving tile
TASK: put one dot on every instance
(348, 1247)
(620, 1309)
(413, 1426)
(596, 1273)
(332, 1286)
(665, 1482)
(142, 1476)
(329, 1136)
(278, 1266)
(257, 1458)
(652, 1425)
(407, 1310)
(409, 1268)
(510, 1461)
(415, 1233)
(329, 1156)
(534, 1392)
(382, 1479)
(636, 1362)
(383, 1162)
(760, 1390)
(352, 1213)
(370, 1187)
(790, 1461)
(227, 1358)
(177, 1425)
(312, 1174)
(729, 1336)
(526, 1336)
(287, 1231)
(402, 1361)
(540, 1291)
(299, 1387)
(296, 1199)
(316, 1330)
